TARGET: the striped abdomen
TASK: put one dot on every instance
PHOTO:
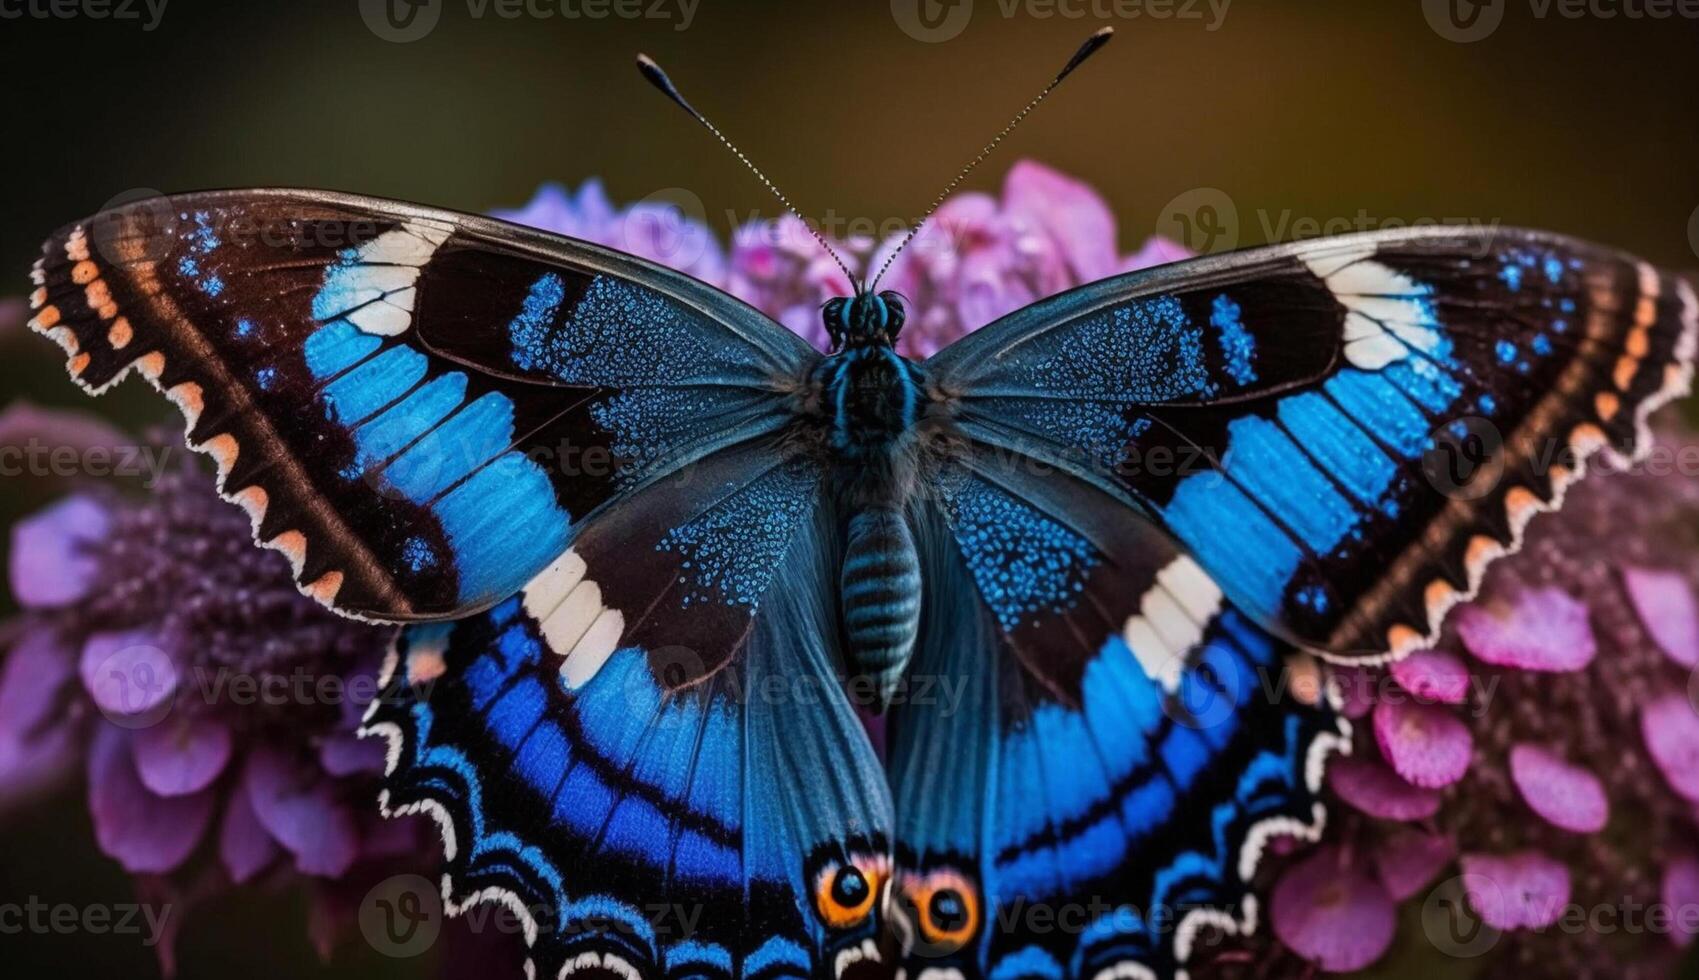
(881, 592)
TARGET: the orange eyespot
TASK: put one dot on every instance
(845, 895)
(945, 906)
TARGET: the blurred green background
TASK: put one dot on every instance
(1327, 111)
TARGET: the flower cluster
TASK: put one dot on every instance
(1533, 782)
(211, 706)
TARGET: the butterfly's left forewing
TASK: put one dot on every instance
(418, 407)
(1344, 433)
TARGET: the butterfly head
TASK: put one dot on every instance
(866, 319)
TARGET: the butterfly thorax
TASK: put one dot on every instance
(871, 399)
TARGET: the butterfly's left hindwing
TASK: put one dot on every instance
(419, 408)
(1344, 433)
(646, 826)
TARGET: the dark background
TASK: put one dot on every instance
(1318, 110)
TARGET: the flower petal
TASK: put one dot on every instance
(1665, 602)
(1379, 792)
(1541, 630)
(1526, 890)
(1426, 744)
(1073, 214)
(1332, 914)
(51, 561)
(1433, 675)
(1568, 797)
(181, 755)
(244, 845)
(127, 673)
(348, 755)
(1407, 860)
(1670, 726)
(145, 833)
(1681, 895)
(302, 813)
(1155, 251)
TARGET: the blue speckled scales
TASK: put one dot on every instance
(1132, 500)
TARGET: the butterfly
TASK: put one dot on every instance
(661, 560)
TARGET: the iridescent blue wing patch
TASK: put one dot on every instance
(1106, 753)
(420, 408)
(1344, 433)
(656, 816)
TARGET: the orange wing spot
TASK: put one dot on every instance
(293, 545)
(1625, 368)
(84, 272)
(99, 299)
(1438, 595)
(254, 500)
(46, 318)
(151, 365)
(1639, 342)
(424, 666)
(76, 247)
(37, 296)
(79, 364)
(1587, 437)
(326, 587)
(1304, 679)
(1607, 405)
(1482, 550)
(1401, 639)
(119, 334)
(1521, 504)
(190, 399)
(223, 449)
(1646, 312)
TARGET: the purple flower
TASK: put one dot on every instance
(150, 629)
(1557, 704)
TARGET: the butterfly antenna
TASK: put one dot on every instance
(659, 79)
(1091, 46)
